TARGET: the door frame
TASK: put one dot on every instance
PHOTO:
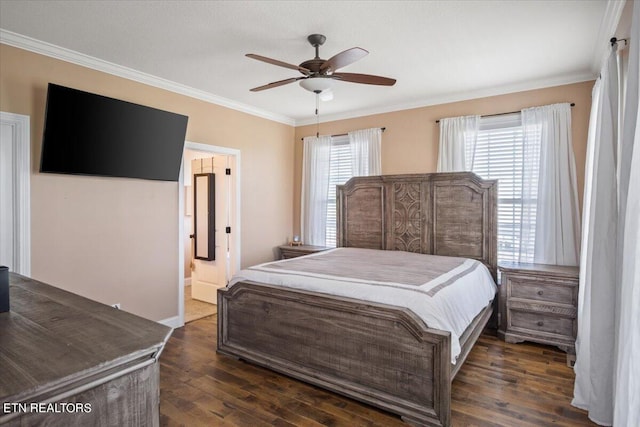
(21, 189)
(213, 149)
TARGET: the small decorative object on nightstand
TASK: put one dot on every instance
(538, 303)
(296, 241)
(288, 251)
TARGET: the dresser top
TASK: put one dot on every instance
(546, 269)
(52, 338)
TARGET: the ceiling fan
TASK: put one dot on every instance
(319, 74)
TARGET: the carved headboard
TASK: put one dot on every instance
(452, 214)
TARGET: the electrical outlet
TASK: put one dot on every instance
(117, 305)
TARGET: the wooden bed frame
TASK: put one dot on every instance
(379, 354)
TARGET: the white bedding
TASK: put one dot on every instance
(442, 303)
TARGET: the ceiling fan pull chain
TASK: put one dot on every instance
(317, 115)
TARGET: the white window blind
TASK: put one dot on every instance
(499, 154)
(340, 171)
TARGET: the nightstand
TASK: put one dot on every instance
(538, 303)
(288, 251)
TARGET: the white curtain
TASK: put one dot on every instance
(593, 388)
(547, 143)
(627, 382)
(607, 366)
(315, 188)
(458, 136)
(366, 152)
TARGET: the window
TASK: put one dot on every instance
(340, 171)
(330, 161)
(500, 154)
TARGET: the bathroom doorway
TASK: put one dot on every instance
(202, 277)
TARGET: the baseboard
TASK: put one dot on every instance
(172, 322)
(187, 281)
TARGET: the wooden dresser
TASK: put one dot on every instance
(68, 361)
(539, 303)
(288, 251)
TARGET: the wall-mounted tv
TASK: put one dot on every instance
(90, 134)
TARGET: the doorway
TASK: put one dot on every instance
(200, 278)
(15, 193)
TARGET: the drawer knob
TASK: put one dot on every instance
(540, 323)
(540, 292)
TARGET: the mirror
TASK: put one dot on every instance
(204, 216)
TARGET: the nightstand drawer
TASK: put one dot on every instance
(542, 291)
(539, 322)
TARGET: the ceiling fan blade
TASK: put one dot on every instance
(276, 84)
(366, 79)
(343, 59)
(278, 63)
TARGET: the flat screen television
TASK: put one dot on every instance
(90, 134)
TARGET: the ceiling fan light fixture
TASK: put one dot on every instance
(317, 84)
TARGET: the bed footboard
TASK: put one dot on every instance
(381, 355)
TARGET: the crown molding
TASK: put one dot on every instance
(457, 97)
(47, 49)
(608, 26)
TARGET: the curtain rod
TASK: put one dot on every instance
(345, 134)
(510, 112)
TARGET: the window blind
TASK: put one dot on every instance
(340, 171)
(499, 154)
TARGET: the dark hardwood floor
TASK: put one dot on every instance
(500, 385)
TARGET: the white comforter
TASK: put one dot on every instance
(442, 303)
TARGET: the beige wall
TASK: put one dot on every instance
(410, 142)
(116, 240)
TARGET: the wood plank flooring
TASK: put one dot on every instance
(500, 385)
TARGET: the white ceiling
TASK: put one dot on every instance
(439, 51)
